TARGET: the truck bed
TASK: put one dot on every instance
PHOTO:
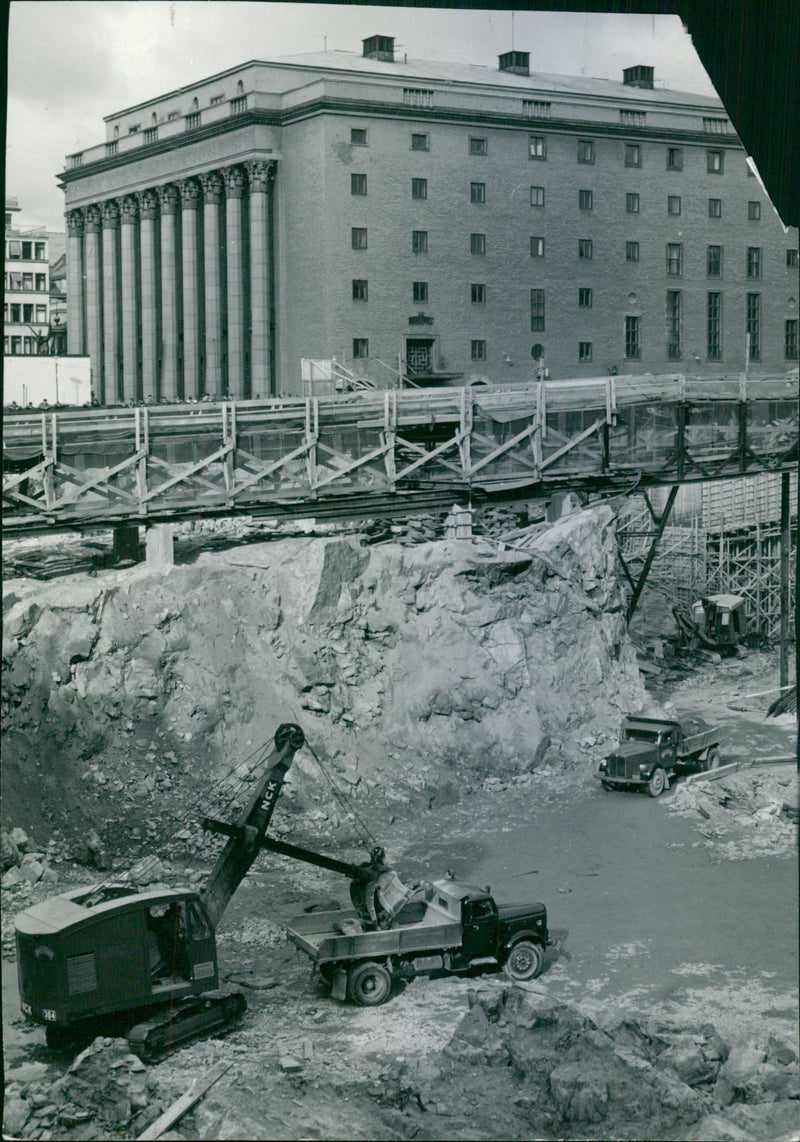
(695, 742)
(315, 935)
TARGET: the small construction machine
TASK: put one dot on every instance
(652, 750)
(715, 622)
(144, 962)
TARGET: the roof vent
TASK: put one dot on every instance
(639, 76)
(519, 63)
(379, 47)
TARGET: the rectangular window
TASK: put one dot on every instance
(674, 259)
(358, 238)
(673, 319)
(715, 208)
(16, 314)
(215, 99)
(360, 289)
(714, 261)
(16, 346)
(537, 311)
(27, 313)
(792, 259)
(358, 184)
(14, 249)
(478, 145)
(41, 252)
(150, 134)
(790, 341)
(478, 350)
(536, 108)
(714, 327)
(419, 292)
(632, 118)
(477, 243)
(754, 211)
(633, 155)
(632, 203)
(585, 298)
(537, 247)
(420, 142)
(477, 192)
(358, 136)
(478, 293)
(584, 351)
(714, 162)
(754, 262)
(192, 120)
(27, 281)
(172, 115)
(715, 126)
(360, 347)
(585, 151)
(585, 199)
(674, 158)
(537, 147)
(14, 281)
(41, 314)
(754, 325)
(419, 241)
(419, 188)
(41, 282)
(585, 248)
(631, 251)
(133, 128)
(633, 349)
(673, 204)
(417, 97)
(537, 196)
(27, 251)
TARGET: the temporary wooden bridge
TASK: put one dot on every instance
(392, 451)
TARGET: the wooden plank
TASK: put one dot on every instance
(184, 1103)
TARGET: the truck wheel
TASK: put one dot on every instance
(712, 759)
(525, 961)
(657, 783)
(369, 985)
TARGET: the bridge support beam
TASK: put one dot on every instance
(784, 557)
(160, 546)
(661, 523)
(126, 542)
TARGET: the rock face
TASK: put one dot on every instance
(452, 655)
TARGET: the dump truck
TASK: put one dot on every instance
(653, 750)
(443, 927)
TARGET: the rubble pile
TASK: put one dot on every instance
(104, 1093)
(747, 813)
(430, 662)
(532, 1066)
(22, 863)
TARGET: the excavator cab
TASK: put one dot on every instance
(722, 620)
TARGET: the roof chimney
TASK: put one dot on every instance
(639, 76)
(519, 63)
(379, 47)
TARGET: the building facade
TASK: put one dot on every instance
(446, 222)
(26, 305)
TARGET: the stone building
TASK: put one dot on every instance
(441, 221)
(26, 304)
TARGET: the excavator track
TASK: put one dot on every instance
(190, 1018)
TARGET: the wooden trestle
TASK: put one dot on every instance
(331, 455)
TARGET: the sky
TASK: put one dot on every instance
(72, 62)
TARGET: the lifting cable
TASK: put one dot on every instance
(370, 842)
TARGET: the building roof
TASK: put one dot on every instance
(482, 75)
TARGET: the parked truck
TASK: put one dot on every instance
(653, 750)
(445, 926)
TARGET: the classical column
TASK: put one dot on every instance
(260, 175)
(94, 301)
(111, 300)
(169, 293)
(212, 195)
(130, 333)
(75, 334)
(234, 189)
(190, 202)
(148, 207)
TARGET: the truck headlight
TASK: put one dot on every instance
(603, 766)
(643, 768)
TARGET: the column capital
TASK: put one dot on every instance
(190, 193)
(212, 187)
(234, 182)
(110, 215)
(168, 197)
(93, 218)
(261, 174)
(129, 209)
(74, 223)
(148, 204)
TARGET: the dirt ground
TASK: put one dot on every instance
(655, 913)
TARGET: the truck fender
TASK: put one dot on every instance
(526, 934)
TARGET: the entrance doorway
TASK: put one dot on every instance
(419, 355)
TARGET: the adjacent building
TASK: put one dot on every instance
(26, 305)
(443, 222)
